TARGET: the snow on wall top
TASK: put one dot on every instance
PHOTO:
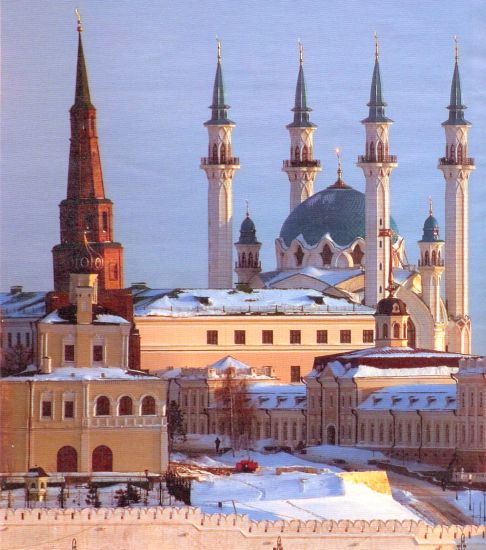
(82, 373)
(191, 302)
(330, 276)
(412, 397)
(22, 304)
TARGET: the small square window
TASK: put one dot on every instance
(267, 336)
(97, 354)
(345, 337)
(68, 409)
(368, 337)
(295, 373)
(212, 337)
(46, 409)
(267, 371)
(69, 352)
(295, 337)
(240, 337)
(321, 336)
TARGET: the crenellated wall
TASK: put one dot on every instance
(173, 528)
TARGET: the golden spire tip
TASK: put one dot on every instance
(218, 41)
(456, 47)
(301, 52)
(339, 170)
(247, 208)
(78, 17)
(377, 47)
(430, 206)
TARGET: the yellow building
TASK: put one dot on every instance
(82, 409)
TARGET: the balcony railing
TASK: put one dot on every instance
(125, 421)
(301, 163)
(207, 161)
(438, 263)
(467, 161)
(377, 158)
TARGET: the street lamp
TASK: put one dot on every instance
(469, 480)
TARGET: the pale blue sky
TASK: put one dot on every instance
(151, 67)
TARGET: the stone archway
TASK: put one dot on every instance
(67, 459)
(331, 435)
(102, 460)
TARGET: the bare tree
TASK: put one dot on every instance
(16, 359)
(236, 409)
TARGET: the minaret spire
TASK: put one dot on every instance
(377, 103)
(456, 166)
(220, 167)
(86, 213)
(302, 168)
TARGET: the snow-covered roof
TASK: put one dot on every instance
(365, 371)
(200, 302)
(216, 370)
(22, 304)
(425, 397)
(100, 318)
(472, 366)
(81, 373)
(275, 396)
(229, 362)
(329, 276)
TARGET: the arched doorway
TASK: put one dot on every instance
(412, 337)
(67, 459)
(331, 435)
(102, 459)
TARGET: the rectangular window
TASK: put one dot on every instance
(27, 339)
(9, 338)
(69, 352)
(267, 336)
(97, 354)
(68, 409)
(345, 337)
(295, 336)
(267, 371)
(295, 373)
(240, 337)
(19, 339)
(212, 337)
(46, 409)
(368, 337)
(321, 336)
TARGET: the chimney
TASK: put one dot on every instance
(46, 365)
(17, 289)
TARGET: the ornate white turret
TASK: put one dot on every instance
(391, 321)
(377, 165)
(456, 167)
(248, 249)
(302, 168)
(220, 167)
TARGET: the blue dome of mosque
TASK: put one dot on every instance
(338, 211)
(431, 230)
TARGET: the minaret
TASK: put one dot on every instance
(456, 167)
(431, 265)
(302, 168)
(391, 319)
(220, 167)
(248, 250)
(377, 165)
(86, 212)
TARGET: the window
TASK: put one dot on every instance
(267, 371)
(102, 406)
(396, 330)
(19, 339)
(295, 336)
(295, 373)
(299, 256)
(267, 336)
(321, 336)
(148, 405)
(9, 339)
(345, 337)
(240, 337)
(125, 407)
(357, 255)
(385, 330)
(326, 255)
(367, 336)
(27, 339)
(105, 221)
(212, 337)
(69, 352)
(68, 409)
(46, 409)
(97, 354)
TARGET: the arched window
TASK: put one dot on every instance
(125, 406)
(223, 153)
(243, 259)
(453, 153)
(299, 256)
(372, 151)
(426, 258)
(362, 432)
(357, 255)
(148, 405)
(412, 341)
(459, 153)
(404, 330)
(385, 330)
(250, 259)
(67, 459)
(396, 330)
(102, 406)
(105, 221)
(380, 151)
(326, 255)
(102, 459)
(305, 154)
(297, 154)
(215, 153)
(89, 222)
(434, 257)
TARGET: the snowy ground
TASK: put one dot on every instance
(478, 503)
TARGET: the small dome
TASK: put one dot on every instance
(431, 230)
(248, 232)
(338, 211)
(86, 259)
(391, 306)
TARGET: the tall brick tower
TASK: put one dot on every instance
(86, 211)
